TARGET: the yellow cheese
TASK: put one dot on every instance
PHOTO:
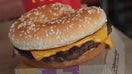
(99, 36)
(108, 41)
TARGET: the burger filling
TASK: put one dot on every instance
(71, 54)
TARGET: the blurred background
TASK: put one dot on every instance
(119, 12)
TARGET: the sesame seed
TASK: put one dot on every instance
(25, 33)
(43, 6)
(12, 37)
(13, 30)
(43, 25)
(21, 19)
(58, 32)
(80, 10)
(80, 25)
(50, 33)
(55, 14)
(46, 32)
(82, 32)
(58, 36)
(12, 26)
(68, 21)
(80, 20)
(31, 18)
(26, 37)
(42, 16)
(53, 5)
(39, 7)
(29, 22)
(20, 25)
(20, 34)
(88, 22)
(31, 26)
(90, 11)
(56, 8)
(47, 35)
(57, 21)
(37, 28)
(87, 18)
(28, 31)
(10, 30)
(70, 26)
(72, 19)
(37, 13)
(52, 22)
(78, 15)
(22, 31)
(63, 22)
(67, 28)
(28, 15)
(37, 37)
(50, 11)
(61, 40)
(51, 28)
(75, 18)
(29, 36)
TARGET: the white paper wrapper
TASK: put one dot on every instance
(111, 63)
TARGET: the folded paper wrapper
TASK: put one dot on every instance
(108, 62)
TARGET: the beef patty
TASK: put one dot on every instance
(71, 54)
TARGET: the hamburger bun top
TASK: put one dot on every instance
(54, 26)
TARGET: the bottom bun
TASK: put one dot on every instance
(85, 57)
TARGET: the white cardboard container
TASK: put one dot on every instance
(112, 63)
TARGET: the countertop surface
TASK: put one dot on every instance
(7, 63)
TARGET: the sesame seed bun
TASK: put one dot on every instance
(55, 26)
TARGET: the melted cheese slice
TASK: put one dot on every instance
(99, 36)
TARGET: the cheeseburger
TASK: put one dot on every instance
(57, 36)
